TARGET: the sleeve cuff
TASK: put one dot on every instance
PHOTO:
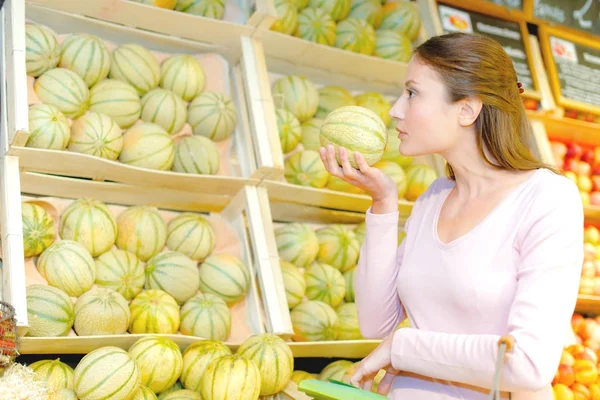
(381, 219)
(398, 342)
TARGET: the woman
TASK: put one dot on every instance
(495, 248)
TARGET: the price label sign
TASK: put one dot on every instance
(514, 4)
(582, 15)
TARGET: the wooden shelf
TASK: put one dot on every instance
(592, 214)
(569, 129)
(588, 304)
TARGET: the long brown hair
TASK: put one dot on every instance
(474, 65)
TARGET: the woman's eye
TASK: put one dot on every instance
(410, 92)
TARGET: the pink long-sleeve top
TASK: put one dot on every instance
(517, 272)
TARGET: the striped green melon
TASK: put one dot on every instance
(287, 17)
(392, 152)
(347, 328)
(299, 376)
(231, 378)
(419, 177)
(183, 395)
(395, 172)
(174, 273)
(97, 135)
(135, 65)
(356, 35)
(340, 185)
(182, 75)
(300, 4)
(393, 45)
(306, 168)
(293, 281)
(297, 243)
(338, 247)
(144, 394)
(367, 10)
(142, 231)
(38, 229)
(68, 266)
(55, 373)
(316, 25)
(196, 359)
(159, 361)
(226, 276)
(65, 90)
(118, 100)
(107, 373)
(207, 316)
(333, 97)
(197, 155)
(314, 321)
(213, 115)
(298, 95)
(274, 359)
(154, 311)
(311, 130)
(121, 271)
(165, 109)
(192, 235)
(324, 283)
(101, 311)
(360, 231)
(289, 130)
(50, 311)
(48, 128)
(42, 51)
(349, 279)
(402, 16)
(63, 394)
(204, 8)
(167, 4)
(176, 387)
(338, 9)
(377, 103)
(87, 55)
(90, 223)
(335, 370)
(148, 145)
(357, 129)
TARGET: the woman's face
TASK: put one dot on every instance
(425, 120)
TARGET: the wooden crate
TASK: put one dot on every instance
(242, 233)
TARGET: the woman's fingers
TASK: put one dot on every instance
(362, 163)
(349, 171)
(329, 161)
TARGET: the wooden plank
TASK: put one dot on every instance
(569, 129)
(293, 212)
(351, 349)
(588, 304)
(591, 214)
(546, 97)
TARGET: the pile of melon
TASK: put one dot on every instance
(135, 272)
(123, 104)
(301, 112)
(205, 8)
(372, 27)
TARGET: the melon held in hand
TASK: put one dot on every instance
(357, 129)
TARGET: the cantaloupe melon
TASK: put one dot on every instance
(207, 316)
(142, 231)
(349, 279)
(154, 311)
(395, 172)
(135, 65)
(68, 266)
(148, 145)
(393, 45)
(294, 283)
(287, 17)
(226, 276)
(165, 109)
(289, 130)
(367, 10)
(174, 273)
(338, 247)
(274, 359)
(352, 369)
(338, 9)
(121, 271)
(196, 359)
(197, 155)
(392, 152)
(356, 35)
(347, 328)
(357, 129)
(340, 185)
(419, 177)
(101, 311)
(316, 25)
(297, 243)
(87, 55)
(116, 99)
(167, 4)
(55, 373)
(63, 394)
(204, 8)
(231, 378)
(324, 283)
(38, 229)
(333, 97)
(50, 311)
(65, 90)
(97, 135)
(183, 75)
(298, 95)
(191, 234)
(48, 128)
(402, 16)
(107, 373)
(42, 51)
(313, 321)
(183, 394)
(335, 370)
(311, 131)
(299, 376)
(159, 361)
(176, 387)
(213, 115)
(144, 394)
(306, 168)
(90, 223)
(377, 103)
(300, 4)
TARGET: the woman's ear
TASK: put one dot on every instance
(469, 111)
